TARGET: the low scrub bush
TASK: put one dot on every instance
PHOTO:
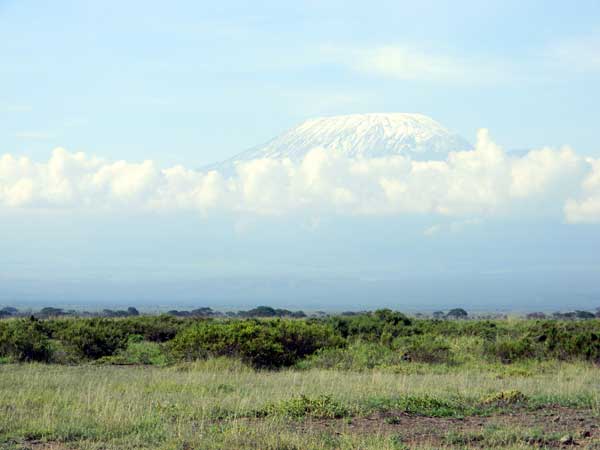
(263, 344)
(505, 398)
(508, 351)
(551, 340)
(92, 338)
(161, 328)
(321, 407)
(138, 351)
(425, 349)
(356, 356)
(421, 405)
(382, 324)
(359, 341)
(569, 340)
(24, 340)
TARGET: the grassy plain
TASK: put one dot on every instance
(221, 403)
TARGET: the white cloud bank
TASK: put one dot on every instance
(474, 184)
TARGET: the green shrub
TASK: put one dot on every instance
(505, 398)
(424, 348)
(356, 356)
(138, 351)
(422, 405)
(375, 339)
(371, 326)
(266, 344)
(569, 340)
(24, 340)
(92, 338)
(321, 407)
(161, 328)
(509, 350)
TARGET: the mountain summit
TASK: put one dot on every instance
(362, 135)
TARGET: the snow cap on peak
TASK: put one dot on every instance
(371, 135)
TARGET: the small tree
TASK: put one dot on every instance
(584, 315)
(536, 315)
(8, 311)
(457, 313)
(50, 311)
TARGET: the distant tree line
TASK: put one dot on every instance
(270, 312)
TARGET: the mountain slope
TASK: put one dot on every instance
(362, 135)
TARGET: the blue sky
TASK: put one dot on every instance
(195, 82)
(190, 83)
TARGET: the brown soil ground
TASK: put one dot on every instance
(415, 431)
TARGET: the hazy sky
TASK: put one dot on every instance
(192, 82)
(137, 95)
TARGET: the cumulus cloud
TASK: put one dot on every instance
(586, 209)
(467, 186)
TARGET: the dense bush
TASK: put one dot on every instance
(161, 328)
(509, 350)
(266, 344)
(138, 351)
(92, 338)
(24, 340)
(551, 340)
(352, 341)
(359, 355)
(424, 349)
(382, 324)
(568, 340)
(486, 329)
(321, 407)
(99, 337)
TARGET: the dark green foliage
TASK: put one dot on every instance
(536, 315)
(51, 312)
(510, 350)
(24, 340)
(266, 344)
(457, 313)
(92, 338)
(161, 328)
(356, 356)
(485, 329)
(425, 349)
(8, 311)
(552, 340)
(138, 351)
(584, 315)
(381, 324)
(116, 313)
(198, 312)
(569, 340)
(381, 338)
(267, 311)
(422, 405)
(98, 337)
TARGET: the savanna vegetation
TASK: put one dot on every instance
(284, 381)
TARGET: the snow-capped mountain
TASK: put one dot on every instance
(362, 135)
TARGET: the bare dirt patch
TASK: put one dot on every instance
(549, 428)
